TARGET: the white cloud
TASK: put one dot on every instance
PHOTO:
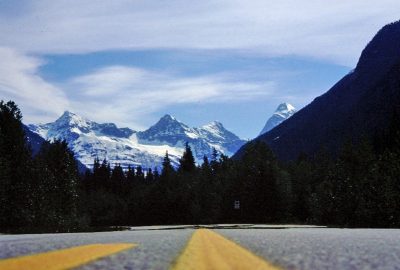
(124, 95)
(132, 94)
(332, 30)
(20, 82)
(326, 29)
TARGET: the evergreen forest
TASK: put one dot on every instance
(44, 192)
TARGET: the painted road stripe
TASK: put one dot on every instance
(209, 250)
(64, 258)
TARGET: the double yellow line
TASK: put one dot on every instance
(205, 250)
(209, 250)
(63, 259)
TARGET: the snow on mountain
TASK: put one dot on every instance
(167, 130)
(170, 131)
(89, 140)
(283, 112)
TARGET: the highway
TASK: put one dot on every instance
(215, 247)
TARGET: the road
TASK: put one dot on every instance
(223, 247)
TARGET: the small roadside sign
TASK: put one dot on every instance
(236, 205)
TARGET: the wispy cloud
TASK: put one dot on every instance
(131, 94)
(124, 95)
(19, 81)
(329, 29)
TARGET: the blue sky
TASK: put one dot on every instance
(130, 62)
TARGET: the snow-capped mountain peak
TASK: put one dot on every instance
(169, 121)
(283, 112)
(89, 140)
(73, 120)
(70, 115)
(285, 108)
(168, 117)
(214, 125)
(167, 130)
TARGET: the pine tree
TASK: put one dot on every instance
(214, 154)
(102, 175)
(139, 174)
(167, 169)
(149, 175)
(187, 163)
(130, 175)
(16, 190)
(206, 164)
(156, 174)
(96, 164)
(214, 159)
(117, 179)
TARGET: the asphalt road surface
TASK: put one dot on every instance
(221, 247)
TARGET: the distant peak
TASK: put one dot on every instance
(70, 118)
(214, 124)
(168, 117)
(283, 112)
(66, 113)
(168, 120)
(285, 107)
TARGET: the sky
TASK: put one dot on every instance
(130, 62)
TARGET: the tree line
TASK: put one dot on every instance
(359, 187)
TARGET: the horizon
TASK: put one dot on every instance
(139, 61)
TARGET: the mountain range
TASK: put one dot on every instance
(90, 140)
(361, 104)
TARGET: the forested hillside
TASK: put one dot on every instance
(358, 188)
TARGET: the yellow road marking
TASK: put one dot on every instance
(209, 250)
(64, 258)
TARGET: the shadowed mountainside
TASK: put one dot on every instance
(360, 104)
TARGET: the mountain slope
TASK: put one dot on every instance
(283, 112)
(34, 140)
(89, 140)
(361, 103)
